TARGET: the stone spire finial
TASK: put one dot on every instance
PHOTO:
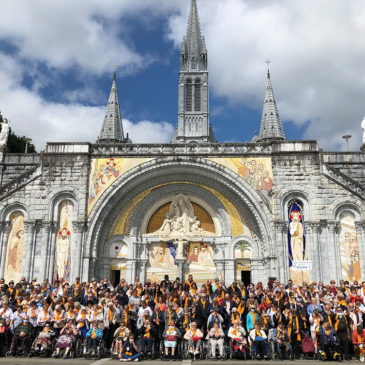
(112, 130)
(271, 126)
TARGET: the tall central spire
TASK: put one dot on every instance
(193, 117)
(271, 126)
(112, 130)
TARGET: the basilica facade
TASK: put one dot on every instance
(268, 208)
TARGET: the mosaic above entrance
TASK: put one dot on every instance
(105, 171)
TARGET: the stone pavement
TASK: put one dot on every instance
(81, 361)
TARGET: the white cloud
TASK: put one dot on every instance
(43, 121)
(317, 53)
(316, 48)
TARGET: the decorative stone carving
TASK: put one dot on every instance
(180, 220)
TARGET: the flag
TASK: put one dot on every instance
(172, 249)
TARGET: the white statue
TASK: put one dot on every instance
(4, 134)
(180, 219)
(363, 129)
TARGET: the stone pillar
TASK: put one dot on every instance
(52, 251)
(334, 260)
(131, 271)
(316, 256)
(230, 271)
(4, 246)
(284, 240)
(361, 242)
(45, 249)
(142, 270)
(85, 269)
(220, 269)
(29, 229)
(76, 249)
(180, 264)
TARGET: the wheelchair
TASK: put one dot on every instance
(201, 351)
(178, 350)
(253, 350)
(95, 353)
(42, 351)
(208, 350)
(149, 355)
(329, 352)
(76, 349)
(236, 353)
(22, 347)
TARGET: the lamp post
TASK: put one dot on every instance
(27, 140)
(347, 138)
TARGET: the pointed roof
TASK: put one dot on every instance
(194, 43)
(112, 130)
(271, 126)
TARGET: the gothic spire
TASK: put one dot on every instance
(193, 48)
(112, 130)
(271, 126)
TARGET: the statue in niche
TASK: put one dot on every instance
(4, 134)
(180, 219)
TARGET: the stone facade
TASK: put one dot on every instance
(92, 210)
(300, 171)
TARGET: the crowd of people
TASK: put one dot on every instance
(174, 319)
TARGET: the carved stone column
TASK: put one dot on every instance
(335, 260)
(45, 248)
(29, 229)
(4, 246)
(220, 269)
(180, 265)
(316, 253)
(360, 227)
(284, 240)
(142, 270)
(76, 248)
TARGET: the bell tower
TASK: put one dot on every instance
(193, 116)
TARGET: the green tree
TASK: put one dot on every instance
(16, 144)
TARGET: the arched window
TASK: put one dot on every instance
(198, 95)
(189, 96)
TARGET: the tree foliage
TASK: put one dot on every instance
(16, 144)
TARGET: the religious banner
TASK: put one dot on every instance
(63, 241)
(349, 248)
(200, 262)
(14, 256)
(298, 263)
(161, 261)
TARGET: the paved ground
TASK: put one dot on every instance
(80, 361)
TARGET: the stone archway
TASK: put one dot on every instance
(210, 183)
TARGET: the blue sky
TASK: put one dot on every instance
(57, 60)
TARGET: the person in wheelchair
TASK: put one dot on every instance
(43, 343)
(22, 337)
(258, 338)
(216, 338)
(328, 343)
(67, 338)
(193, 335)
(93, 338)
(130, 351)
(3, 337)
(358, 341)
(121, 335)
(171, 335)
(281, 341)
(147, 334)
(237, 334)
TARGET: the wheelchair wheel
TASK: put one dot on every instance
(78, 348)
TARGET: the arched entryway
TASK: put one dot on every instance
(127, 206)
